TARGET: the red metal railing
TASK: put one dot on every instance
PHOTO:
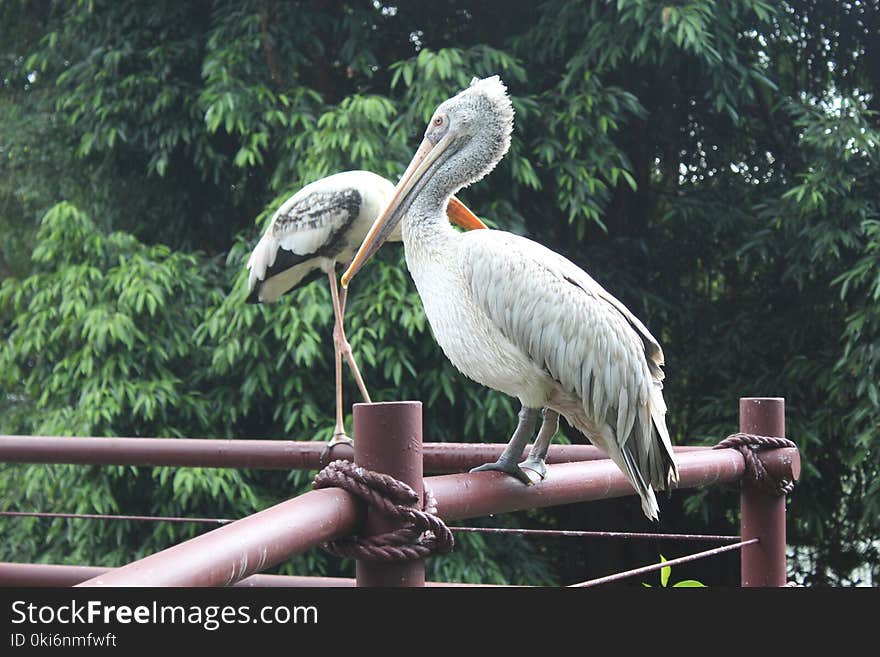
(389, 441)
(234, 551)
(439, 458)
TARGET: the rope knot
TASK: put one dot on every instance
(422, 533)
(748, 444)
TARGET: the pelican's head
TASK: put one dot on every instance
(466, 137)
(470, 132)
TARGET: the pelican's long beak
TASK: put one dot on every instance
(382, 228)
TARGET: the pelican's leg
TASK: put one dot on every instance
(535, 461)
(509, 460)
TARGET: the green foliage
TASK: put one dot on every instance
(100, 344)
(666, 573)
(714, 164)
(85, 315)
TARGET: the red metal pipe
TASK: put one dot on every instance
(483, 493)
(451, 458)
(239, 549)
(389, 441)
(762, 514)
(196, 452)
(296, 581)
(262, 454)
(41, 575)
(52, 575)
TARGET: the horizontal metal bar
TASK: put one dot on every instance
(575, 533)
(453, 458)
(241, 548)
(105, 516)
(484, 493)
(52, 575)
(197, 452)
(297, 581)
(261, 454)
(663, 564)
(225, 555)
(40, 574)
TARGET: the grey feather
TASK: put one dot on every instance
(586, 340)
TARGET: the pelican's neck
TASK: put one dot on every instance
(426, 230)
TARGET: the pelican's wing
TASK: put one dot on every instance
(303, 230)
(583, 337)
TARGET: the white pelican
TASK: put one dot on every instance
(314, 230)
(519, 318)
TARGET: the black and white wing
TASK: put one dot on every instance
(304, 236)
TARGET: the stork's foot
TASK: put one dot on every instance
(337, 439)
(510, 467)
(535, 465)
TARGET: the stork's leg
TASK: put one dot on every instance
(339, 432)
(339, 435)
(509, 460)
(339, 339)
(537, 455)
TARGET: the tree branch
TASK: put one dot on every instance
(272, 62)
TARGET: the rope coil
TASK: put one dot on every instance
(423, 533)
(748, 444)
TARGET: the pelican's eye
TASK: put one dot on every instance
(437, 128)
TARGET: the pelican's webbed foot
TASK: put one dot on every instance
(511, 467)
(508, 461)
(536, 460)
(535, 465)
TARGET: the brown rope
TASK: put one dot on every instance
(423, 532)
(748, 444)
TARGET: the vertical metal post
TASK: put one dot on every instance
(388, 439)
(762, 514)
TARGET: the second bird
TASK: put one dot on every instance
(315, 230)
(520, 318)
